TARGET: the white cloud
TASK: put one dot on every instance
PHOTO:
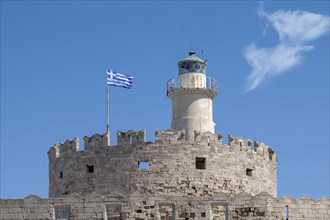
(295, 29)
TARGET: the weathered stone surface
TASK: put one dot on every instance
(218, 207)
(204, 179)
(200, 168)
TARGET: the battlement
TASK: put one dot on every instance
(241, 144)
(99, 142)
(66, 148)
(169, 136)
(207, 137)
(70, 147)
(131, 137)
(135, 165)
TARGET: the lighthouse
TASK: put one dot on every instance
(192, 93)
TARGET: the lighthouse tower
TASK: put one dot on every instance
(192, 93)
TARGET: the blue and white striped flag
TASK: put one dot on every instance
(118, 79)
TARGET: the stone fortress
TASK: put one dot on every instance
(187, 173)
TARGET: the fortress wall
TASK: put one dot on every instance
(303, 208)
(136, 206)
(172, 170)
(31, 207)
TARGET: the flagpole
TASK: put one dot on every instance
(108, 113)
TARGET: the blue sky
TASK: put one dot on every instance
(271, 61)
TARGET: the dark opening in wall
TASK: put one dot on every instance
(90, 168)
(287, 212)
(201, 163)
(203, 214)
(143, 165)
(249, 172)
(61, 175)
(113, 211)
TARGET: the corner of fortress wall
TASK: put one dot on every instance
(99, 142)
(94, 206)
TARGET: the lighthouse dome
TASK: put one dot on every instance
(192, 64)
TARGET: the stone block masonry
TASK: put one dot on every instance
(159, 207)
(169, 179)
(171, 165)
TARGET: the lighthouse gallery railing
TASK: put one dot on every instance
(207, 83)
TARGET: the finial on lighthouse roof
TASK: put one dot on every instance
(192, 58)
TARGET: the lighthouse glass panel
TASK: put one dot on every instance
(191, 67)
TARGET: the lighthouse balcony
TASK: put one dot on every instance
(195, 82)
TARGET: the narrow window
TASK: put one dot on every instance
(249, 172)
(201, 163)
(203, 214)
(61, 175)
(143, 165)
(90, 168)
(130, 140)
(287, 212)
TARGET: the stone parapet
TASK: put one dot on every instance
(171, 164)
(157, 207)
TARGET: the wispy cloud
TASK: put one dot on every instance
(296, 29)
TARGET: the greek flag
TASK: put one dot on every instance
(118, 79)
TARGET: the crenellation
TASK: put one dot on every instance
(303, 208)
(265, 151)
(69, 147)
(131, 137)
(225, 168)
(169, 136)
(208, 137)
(96, 142)
(239, 143)
(260, 148)
(272, 155)
(54, 152)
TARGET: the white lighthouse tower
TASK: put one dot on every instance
(192, 93)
